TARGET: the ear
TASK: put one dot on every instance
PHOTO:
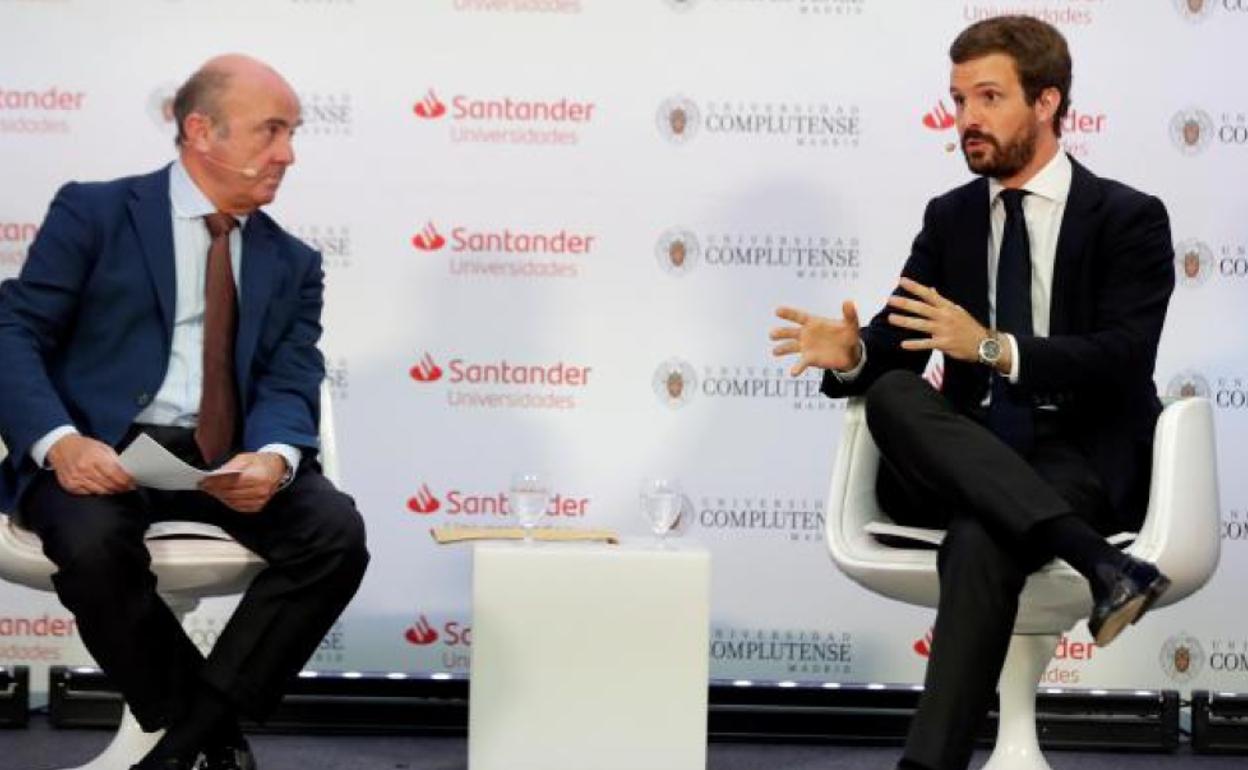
(1047, 103)
(197, 128)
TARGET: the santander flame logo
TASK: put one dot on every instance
(426, 370)
(428, 239)
(939, 119)
(924, 646)
(429, 107)
(421, 633)
(423, 502)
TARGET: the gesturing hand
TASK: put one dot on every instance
(85, 466)
(949, 328)
(823, 342)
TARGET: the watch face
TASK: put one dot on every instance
(989, 350)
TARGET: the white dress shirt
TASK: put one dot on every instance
(1043, 209)
(176, 403)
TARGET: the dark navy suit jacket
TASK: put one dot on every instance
(86, 328)
(1112, 280)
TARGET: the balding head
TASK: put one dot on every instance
(204, 92)
(236, 123)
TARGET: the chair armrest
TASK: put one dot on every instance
(1181, 528)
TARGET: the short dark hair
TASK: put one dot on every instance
(1039, 51)
(201, 93)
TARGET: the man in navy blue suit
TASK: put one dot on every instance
(1046, 288)
(170, 304)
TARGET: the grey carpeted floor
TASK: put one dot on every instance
(40, 747)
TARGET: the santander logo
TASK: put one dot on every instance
(1067, 649)
(18, 232)
(426, 370)
(923, 647)
(502, 372)
(465, 240)
(421, 633)
(505, 108)
(429, 239)
(423, 502)
(429, 107)
(939, 118)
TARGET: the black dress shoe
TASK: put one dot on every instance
(237, 757)
(1133, 588)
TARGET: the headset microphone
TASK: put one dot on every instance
(246, 171)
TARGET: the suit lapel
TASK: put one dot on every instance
(259, 265)
(1085, 196)
(971, 249)
(153, 221)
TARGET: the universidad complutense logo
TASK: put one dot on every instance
(160, 107)
(1182, 657)
(1194, 261)
(1188, 384)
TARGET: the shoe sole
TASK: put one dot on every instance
(1131, 612)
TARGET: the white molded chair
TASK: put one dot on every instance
(191, 561)
(1179, 535)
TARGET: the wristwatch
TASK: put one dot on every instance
(990, 350)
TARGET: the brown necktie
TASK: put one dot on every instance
(218, 402)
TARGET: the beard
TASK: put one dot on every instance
(1001, 161)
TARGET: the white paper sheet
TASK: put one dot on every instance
(153, 466)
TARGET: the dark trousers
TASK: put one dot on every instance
(310, 534)
(943, 468)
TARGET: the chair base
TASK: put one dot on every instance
(1018, 746)
(130, 743)
(128, 746)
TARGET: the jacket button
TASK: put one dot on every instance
(143, 399)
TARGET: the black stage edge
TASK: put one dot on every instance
(1120, 720)
(14, 696)
(1219, 722)
(331, 703)
(793, 712)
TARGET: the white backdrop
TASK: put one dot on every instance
(625, 189)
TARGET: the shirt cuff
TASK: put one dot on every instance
(852, 374)
(1014, 365)
(39, 450)
(288, 453)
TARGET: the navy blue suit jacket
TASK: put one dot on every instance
(86, 328)
(1112, 280)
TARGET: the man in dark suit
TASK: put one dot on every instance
(1045, 288)
(127, 318)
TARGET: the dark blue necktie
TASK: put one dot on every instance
(1009, 414)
